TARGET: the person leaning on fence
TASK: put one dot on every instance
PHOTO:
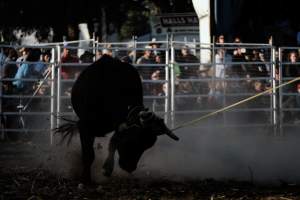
(258, 69)
(23, 56)
(27, 71)
(187, 71)
(68, 72)
(42, 67)
(8, 104)
(146, 59)
(9, 71)
(238, 69)
(291, 70)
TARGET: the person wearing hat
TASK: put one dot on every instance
(187, 71)
(145, 59)
(155, 45)
(24, 53)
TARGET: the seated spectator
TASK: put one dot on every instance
(215, 96)
(185, 102)
(42, 66)
(87, 57)
(292, 102)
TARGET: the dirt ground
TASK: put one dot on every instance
(22, 176)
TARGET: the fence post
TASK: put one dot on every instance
(172, 82)
(52, 100)
(167, 77)
(58, 89)
(94, 46)
(273, 76)
(1, 93)
(280, 91)
(134, 46)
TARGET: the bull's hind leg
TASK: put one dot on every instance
(110, 160)
(88, 154)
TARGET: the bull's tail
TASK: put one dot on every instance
(68, 129)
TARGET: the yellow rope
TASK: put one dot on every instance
(233, 105)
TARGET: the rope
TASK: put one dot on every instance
(233, 105)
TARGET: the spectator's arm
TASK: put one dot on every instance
(19, 75)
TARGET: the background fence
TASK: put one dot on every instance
(178, 84)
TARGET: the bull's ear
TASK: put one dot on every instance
(122, 127)
(146, 115)
(146, 109)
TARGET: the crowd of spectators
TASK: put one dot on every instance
(235, 69)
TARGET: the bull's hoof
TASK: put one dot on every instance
(107, 169)
(86, 177)
(106, 173)
(86, 181)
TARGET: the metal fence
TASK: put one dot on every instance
(179, 83)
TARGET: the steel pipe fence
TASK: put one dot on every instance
(178, 85)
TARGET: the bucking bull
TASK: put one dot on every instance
(108, 96)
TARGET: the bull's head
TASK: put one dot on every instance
(137, 138)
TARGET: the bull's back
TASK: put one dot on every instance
(103, 92)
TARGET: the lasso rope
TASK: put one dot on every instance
(233, 105)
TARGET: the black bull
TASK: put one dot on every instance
(108, 96)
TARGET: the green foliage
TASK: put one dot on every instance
(135, 24)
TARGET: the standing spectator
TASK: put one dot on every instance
(146, 59)
(259, 69)
(187, 71)
(27, 71)
(9, 105)
(68, 72)
(220, 40)
(24, 53)
(3, 56)
(9, 70)
(239, 69)
(221, 59)
(291, 70)
(155, 45)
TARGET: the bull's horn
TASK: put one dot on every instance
(172, 135)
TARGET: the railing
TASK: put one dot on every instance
(183, 89)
